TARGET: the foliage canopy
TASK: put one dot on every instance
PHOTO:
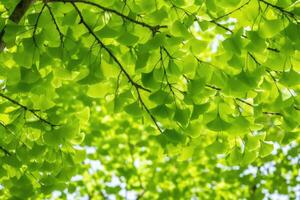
(149, 99)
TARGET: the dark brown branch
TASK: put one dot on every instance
(273, 113)
(220, 25)
(296, 108)
(254, 59)
(147, 110)
(61, 35)
(102, 45)
(273, 49)
(36, 24)
(165, 71)
(245, 102)
(33, 111)
(16, 16)
(233, 11)
(154, 29)
(280, 9)
(215, 21)
(213, 87)
(20, 10)
(6, 152)
(111, 54)
(273, 78)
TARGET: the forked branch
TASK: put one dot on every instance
(153, 28)
(137, 86)
(33, 111)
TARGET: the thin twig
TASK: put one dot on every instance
(136, 85)
(6, 152)
(61, 35)
(233, 11)
(280, 9)
(33, 111)
(36, 24)
(154, 29)
(111, 54)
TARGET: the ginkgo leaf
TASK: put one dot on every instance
(133, 109)
(174, 136)
(265, 149)
(249, 157)
(229, 3)
(270, 28)
(128, 39)
(199, 109)
(290, 78)
(252, 143)
(182, 116)
(235, 157)
(218, 124)
(240, 126)
(217, 147)
(107, 32)
(98, 90)
(149, 81)
(233, 44)
(161, 97)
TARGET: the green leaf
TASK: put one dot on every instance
(149, 81)
(257, 44)
(290, 78)
(218, 124)
(233, 44)
(162, 111)
(53, 138)
(99, 90)
(173, 136)
(180, 29)
(182, 116)
(249, 157)
(128, 39)
(229, 3)
(235, 157)
(161, 97)
(218, 147)
(134, 109)
(142, 59)
(107, 32)
(199, 109)
(252, 143)
(269, 28)
(266, 149)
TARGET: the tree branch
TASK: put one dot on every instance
(115, 59)
(273, 113)
(33, 111)
(61, 35)
(107, 50)
(165, 71)
(154, 28)
(16, 16)
(245, 102)
(148, 111)
(231, 12)
(213, 87)
(36, 24)
(280, 9)
(6, 152)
